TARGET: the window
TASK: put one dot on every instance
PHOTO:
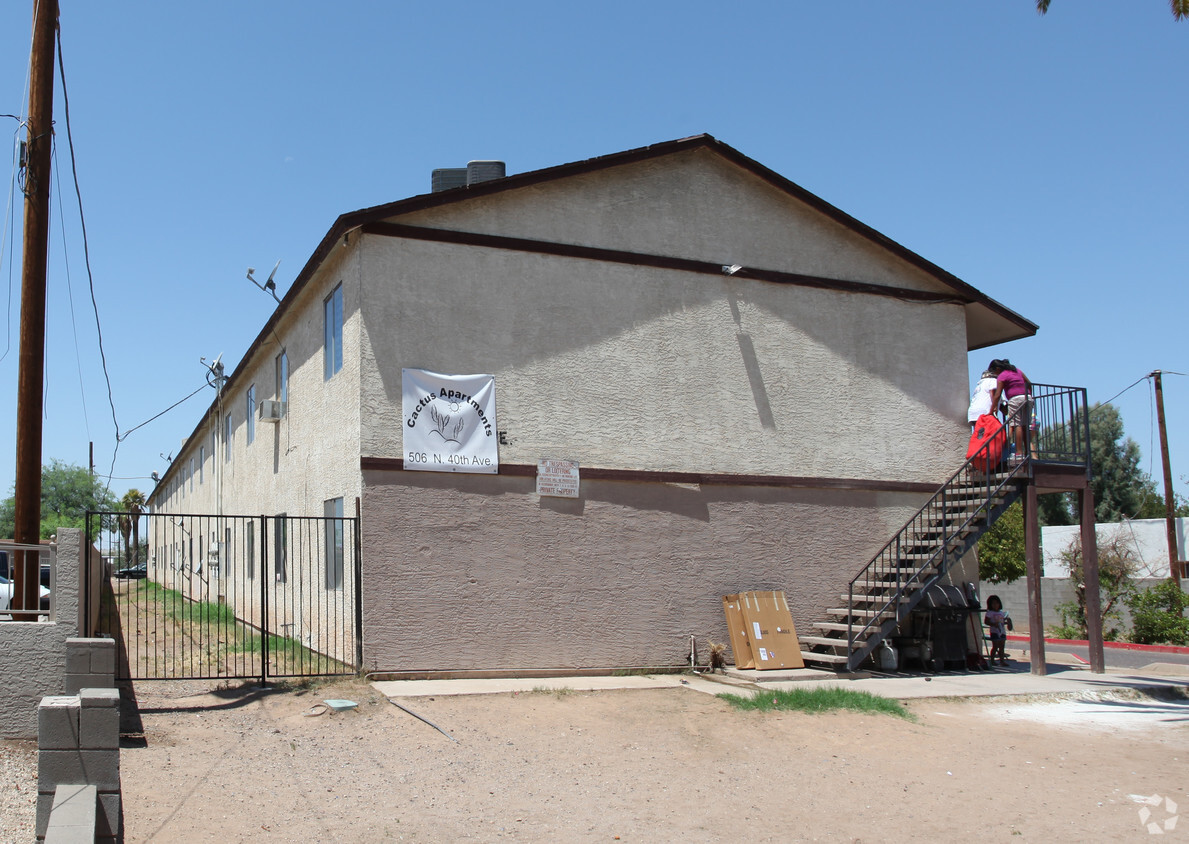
(333, 511)
(227, 432)
(251, 400)
(332, 322)
(225, 555)
(201, 463)
(282, 366)
(280, 540)
(190, 472)
(250, 550)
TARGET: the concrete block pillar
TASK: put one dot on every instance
(79, 745)
(90, 664)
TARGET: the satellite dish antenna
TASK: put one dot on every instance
(269, 286)
(214, 375)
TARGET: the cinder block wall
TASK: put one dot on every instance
(1053, 591)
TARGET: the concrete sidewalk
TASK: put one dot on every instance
(1063, 680)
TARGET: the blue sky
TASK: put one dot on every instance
(1039, 159)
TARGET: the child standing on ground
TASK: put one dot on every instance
(997, 621)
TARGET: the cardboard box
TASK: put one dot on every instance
(768, 625)
(740, 646)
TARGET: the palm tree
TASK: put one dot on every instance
(1180, 8)
(133, 503)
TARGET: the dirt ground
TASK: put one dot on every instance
(238, 764)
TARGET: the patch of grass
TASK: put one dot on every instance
(818, 700)
(560, 691)
(233, 635)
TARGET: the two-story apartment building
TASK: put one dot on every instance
(757, 388)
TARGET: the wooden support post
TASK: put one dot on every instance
(1090, 578)
(31, 370)
(1036, 625)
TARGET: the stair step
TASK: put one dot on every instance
(836, 627)
(841, 611)
(825, 641)
(906, 571)
(833, 659)
(866, 598)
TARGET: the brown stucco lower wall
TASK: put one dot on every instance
(476, 572)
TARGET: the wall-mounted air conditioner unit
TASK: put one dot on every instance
(271, 410)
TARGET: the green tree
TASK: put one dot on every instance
(1001, 548)
(1121, 490)
(1180, 8)
(129, 522)
(67, 493)
(1158, 615)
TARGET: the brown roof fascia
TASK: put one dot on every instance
(595, 253)
(529, 470)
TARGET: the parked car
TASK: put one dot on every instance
(6, 590)
(135, 572)
(4, 572)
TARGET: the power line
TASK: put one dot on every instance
(78, 358)
(1116, 395)
(124, 436)
(87, 252)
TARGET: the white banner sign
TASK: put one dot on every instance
(557, 478)
(449, 422)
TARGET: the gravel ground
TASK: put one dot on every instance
(237, 764)
(18, 792)
(647, 765)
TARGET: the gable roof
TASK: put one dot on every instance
(988, 321)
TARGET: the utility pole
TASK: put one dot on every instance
(1170, 509)
(39, 141)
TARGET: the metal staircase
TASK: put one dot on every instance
(888, 588)
(949, 525)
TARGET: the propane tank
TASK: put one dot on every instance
(888, 658)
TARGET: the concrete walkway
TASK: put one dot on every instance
(1063, 680)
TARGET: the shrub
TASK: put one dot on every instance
(1158, 615)
(1117, 565)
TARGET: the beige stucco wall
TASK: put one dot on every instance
(477, 572)
(639, 368)
(693, 204)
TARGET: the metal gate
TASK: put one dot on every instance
(191, 596)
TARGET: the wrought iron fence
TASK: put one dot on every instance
(195, 596)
